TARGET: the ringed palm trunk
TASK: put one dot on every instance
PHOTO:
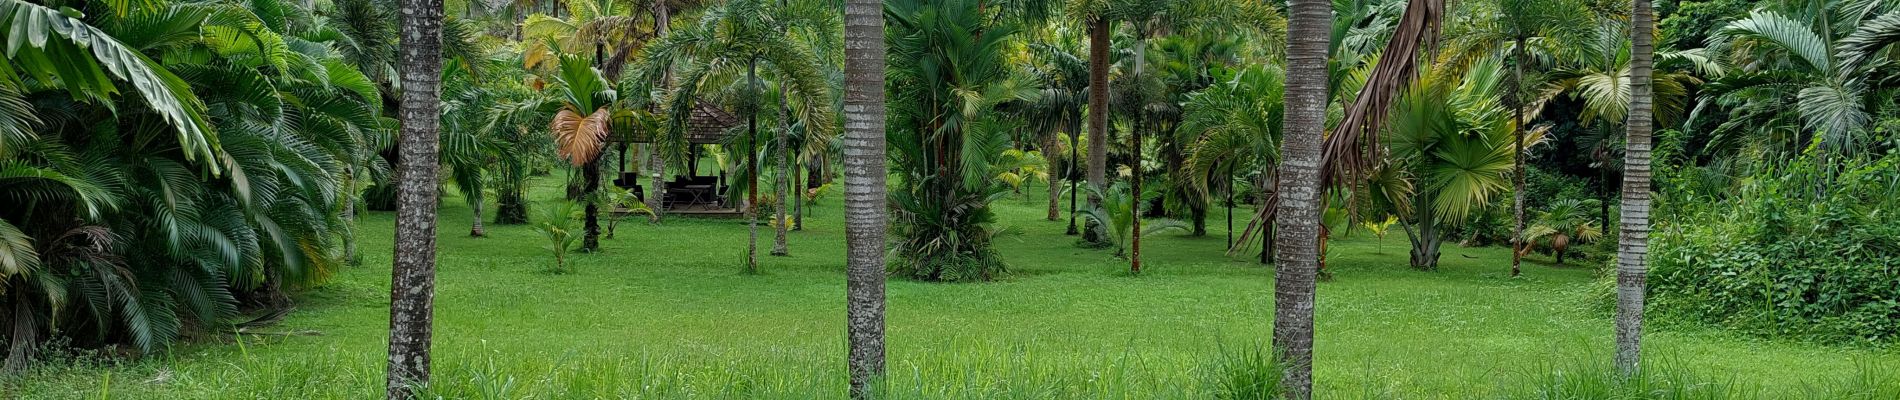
(1055, 181)
(865, 202)
(798, 195)
(1297, 264)
(1074, 134)
(1098, 119)
(1519, 246)
(349, 215)
(1631, 269)
(784, 128)
(412, 273)
(752, 171)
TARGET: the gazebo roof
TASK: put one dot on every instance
(708, 124)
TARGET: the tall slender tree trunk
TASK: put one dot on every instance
(752, 167)
(1098, 119)
(1632, 270)
(475, 229)
(784, 168)
(865, 202)
(1074, 159)
(798, 195)
(591, 241)
(349, 213)
(1297, 265)
(1518, 245)
(1049, 152)
(656, 162)
(1141, 105)
(412, 273)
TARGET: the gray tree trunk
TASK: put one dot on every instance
(656, 162)
(784, 168)
(349, 216)
(1297, 264)
(412, 275)
(1633, 243)
(1098, 120)
(1055, 178)
(752, 166)
(1518, 245)
(475, 230)
(798, 195)
(865, 203)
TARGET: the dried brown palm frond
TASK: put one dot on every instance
(579, 139)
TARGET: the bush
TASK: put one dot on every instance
(1806, 250)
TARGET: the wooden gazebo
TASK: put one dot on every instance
(690, 193)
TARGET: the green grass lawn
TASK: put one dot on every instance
(665, 312)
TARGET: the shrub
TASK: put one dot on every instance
(1805, 250)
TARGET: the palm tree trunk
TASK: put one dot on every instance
(412, 273)
(752, 167)
(1631, 270)
(475, 230)
(865, 202)
(1141, 105)
(1098, 119)
(784, 168)
(1074, 158)
(349, 215)
(1049, 143)
(656, 162)
(798, 195)
(1517, 157)
(1297, 265)
(591, 242)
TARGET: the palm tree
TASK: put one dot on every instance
(950, 79)
(1058, 109)
(581, 128)
(864, 192)
(1095, 14)
(1633, 247)
(1456, 145)
(1521, 24)
(412, 291)
(1297, 264)
(1231, 126)
(1563, 222)
(1805, 71)
(737, 38)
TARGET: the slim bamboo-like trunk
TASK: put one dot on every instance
(349, 216)
(1632, 272)
(1297, 265)
(1074, 156)
(865, 202)
(1141, 102)
(656, 162)
(412, 273)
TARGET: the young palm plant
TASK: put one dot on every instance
(1564, 222)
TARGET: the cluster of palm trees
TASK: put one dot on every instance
(237, 140)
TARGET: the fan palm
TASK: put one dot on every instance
(1454, 139)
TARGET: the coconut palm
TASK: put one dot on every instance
(412, 291)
